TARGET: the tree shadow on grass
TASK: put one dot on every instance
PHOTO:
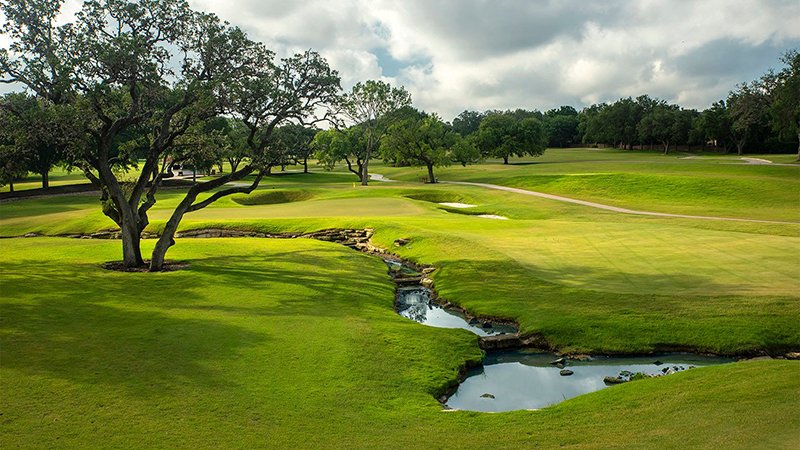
(150, 332)
(82, 326)
(333, 282)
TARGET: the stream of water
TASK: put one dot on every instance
(514, 380)
(415, 303)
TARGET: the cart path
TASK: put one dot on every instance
(609, 207)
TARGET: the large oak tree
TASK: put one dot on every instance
(159, 66)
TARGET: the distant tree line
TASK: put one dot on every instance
(762, 115)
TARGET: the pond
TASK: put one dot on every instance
(530, 380)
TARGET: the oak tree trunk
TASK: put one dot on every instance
(131, 239)
(365, 173)
(167, 238)
(431, 178)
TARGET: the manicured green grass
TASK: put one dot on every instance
(294, 344)
(58, 177)
(721, 186)
(588, 280)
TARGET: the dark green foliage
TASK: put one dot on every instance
(762, 114)
(561, 126)
(39, 131)
(506, 134)
(423, 140)
(467, 122)
(784, 88)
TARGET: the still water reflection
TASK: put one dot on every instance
(519, 380)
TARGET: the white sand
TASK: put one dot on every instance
(457, 205)
(492, 216)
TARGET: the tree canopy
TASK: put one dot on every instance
(424, 140)
(506, 134)
(156, 65)
(367, 105)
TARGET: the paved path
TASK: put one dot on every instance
(379, 177)
(745, 161)
(609, 207)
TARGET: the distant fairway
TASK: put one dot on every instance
(295, 342)
(720, 186)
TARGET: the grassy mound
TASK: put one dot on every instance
(274, 197)
(437, 196)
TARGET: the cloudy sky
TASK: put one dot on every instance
(485, 54)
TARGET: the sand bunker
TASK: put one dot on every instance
(457, 205)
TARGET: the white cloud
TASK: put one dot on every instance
(482, 54)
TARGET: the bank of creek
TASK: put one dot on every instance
(514, 375)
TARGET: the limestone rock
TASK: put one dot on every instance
(613, 380)
(499, 342)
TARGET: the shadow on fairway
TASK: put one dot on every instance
(89, 328)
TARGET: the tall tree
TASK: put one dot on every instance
(334, 145)
(156, 65)
(748, 106)
(366, 105)
(421, 141)
(236, 148)
(714, 125)
(561, 126)
(464, 151)
(12, 158)
(593, 125)
(667, 124)
(784, 90)
(467, 122)
(502, 135)
(295, 140)
(38, 131)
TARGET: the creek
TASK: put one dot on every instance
(418, 303)
(519, 379)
